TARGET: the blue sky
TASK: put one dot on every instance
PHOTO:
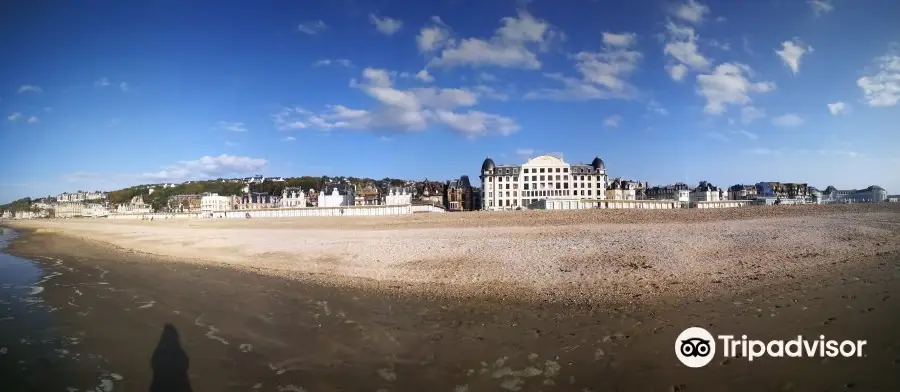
(120, 93)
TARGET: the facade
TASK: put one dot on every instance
(80, 196)
(184, 203)
(367, 196)
(429, 192)
(679, 192)
(212, 202)
(459, 195)
(398, 196)
(135, 206)
(293, 198)
(706, 192)
(621, 190)
(872, 194)
(253, 201)
(546, 177)
(742, 192)
(337, 198)
(785, 190)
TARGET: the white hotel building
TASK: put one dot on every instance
(546, 177)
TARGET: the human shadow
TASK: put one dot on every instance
(169, 363)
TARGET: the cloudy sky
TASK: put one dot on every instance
(121, 93)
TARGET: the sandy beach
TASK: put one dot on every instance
(535, 301)
(551, 255)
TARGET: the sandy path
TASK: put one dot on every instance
(537, 250)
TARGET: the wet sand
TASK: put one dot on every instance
(244, 331)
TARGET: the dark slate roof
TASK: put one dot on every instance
(488, 164)
(598, 164)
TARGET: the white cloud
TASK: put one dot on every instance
(677, 71)
(288, 139)
(113, 122)
(750, 114)
(475, 123)
(401, 110)
(726, 46)
(231, 126)
(691, 11)
(230, 144)
(820, 6)
(837, 108)
(312, 27)
(513, 45)
(386, 26)
(620, 39)
(789, 120)
(30, 88)
(14, 116)
(604, 74)
(124, 86)
(749, 135)
(208, 167)
(612, 121)
(791, 53)
(424, 76)
(883, 87)
(291, 118)
(433, 37)
(525, 152)
(490, 92)
(681, 46)
(340, 62)
(728, 85)
(102, 82)
(33, 120)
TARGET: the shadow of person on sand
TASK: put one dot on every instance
(169, 363)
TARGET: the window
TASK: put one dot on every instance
(542, 178)
(490, 179)
(542, 170)
(565, 185)
(526, 170)
(557, 177)
(565, 170)
(533, 178)
(516, 171)
(507, 185)
(507, 171)
(589, 192)
(557, 186)
(526, 186)
(516, 186)
(515, 194)
(490, 194)
(507, 194)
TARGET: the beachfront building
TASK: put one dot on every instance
(742, 192)
(621, 190)
(293, 198)
(367, 195)
(679, 192)
(429, 192)
(80, 196)
(872, 194)
(706, 191)
(398, 196)
(459, 195)
(545, 177)
(254, 201)
(96, 210)
(211, 202)
(343, 197)
(135, 206)
(189, 203)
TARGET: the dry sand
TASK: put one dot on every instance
(595, 253)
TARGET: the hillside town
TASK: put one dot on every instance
(543, 182)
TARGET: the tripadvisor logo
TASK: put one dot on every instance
(695, 347)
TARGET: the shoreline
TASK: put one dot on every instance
(242, 329)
